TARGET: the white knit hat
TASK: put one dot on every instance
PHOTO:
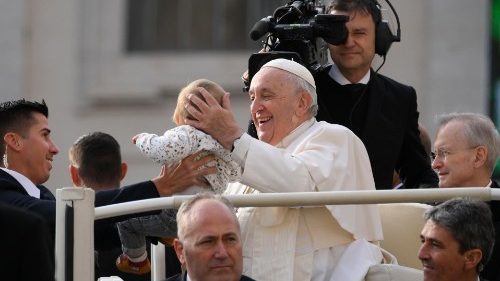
(292, 67)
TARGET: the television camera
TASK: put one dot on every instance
(299, 30)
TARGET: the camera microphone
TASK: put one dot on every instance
(260, 28)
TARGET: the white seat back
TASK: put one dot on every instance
(402, 224)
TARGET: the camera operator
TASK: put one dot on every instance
(381, 111)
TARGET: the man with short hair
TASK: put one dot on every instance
(295, 153)
(29, 154)
(209, 240)
(379, 110)
(96, 162)
(466, 147)
(457, 240)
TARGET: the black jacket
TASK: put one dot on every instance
(12, 193)
(386, 120)
(26, 252)
(492, 269)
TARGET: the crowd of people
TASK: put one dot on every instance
(344, 127)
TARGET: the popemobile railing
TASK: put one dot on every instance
(76, 214)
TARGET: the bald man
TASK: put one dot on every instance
(209, 240)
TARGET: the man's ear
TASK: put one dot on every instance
(75, 177)
(472, 258)
(124, 169)
(13, 141)
(178, 247)
(305, 102)
(480, 156)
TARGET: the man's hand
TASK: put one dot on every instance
(214, 119)
(189, 172)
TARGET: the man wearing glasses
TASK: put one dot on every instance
(467, 146)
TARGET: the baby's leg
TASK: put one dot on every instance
(133, 234)
(133, 231)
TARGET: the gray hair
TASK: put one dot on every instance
(477, 130)
(303, 85)
(184, 213)
(469, 222)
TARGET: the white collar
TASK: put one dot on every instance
(489, 184)
(28, 185)
(340, 78)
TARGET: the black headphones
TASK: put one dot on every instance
(383, 34)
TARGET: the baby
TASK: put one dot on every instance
(173, 146)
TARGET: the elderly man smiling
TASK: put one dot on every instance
(295, 153)
(467, 147)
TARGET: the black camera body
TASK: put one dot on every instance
(299, 30)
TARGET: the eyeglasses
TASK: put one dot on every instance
(444, 153)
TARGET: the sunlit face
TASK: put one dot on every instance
(211, 246)
(274, 106)
(38, 150)
(440, 255)
(454, 162)
(355, 56)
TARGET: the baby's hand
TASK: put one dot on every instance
(134, 138)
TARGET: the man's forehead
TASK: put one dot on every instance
(35, 124)
(199, 232)
(39, 117)
(208, 212)
(40, 121)
(450, 134)
(266, 77)
(267, 71)
(437, 232)
(205, 233)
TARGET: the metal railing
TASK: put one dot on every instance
(80, 220)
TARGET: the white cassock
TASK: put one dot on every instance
(307, 243)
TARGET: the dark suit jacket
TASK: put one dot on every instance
(389, 131)
(12, 193)
(183, 277)
(26, 246)
(492, 269)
